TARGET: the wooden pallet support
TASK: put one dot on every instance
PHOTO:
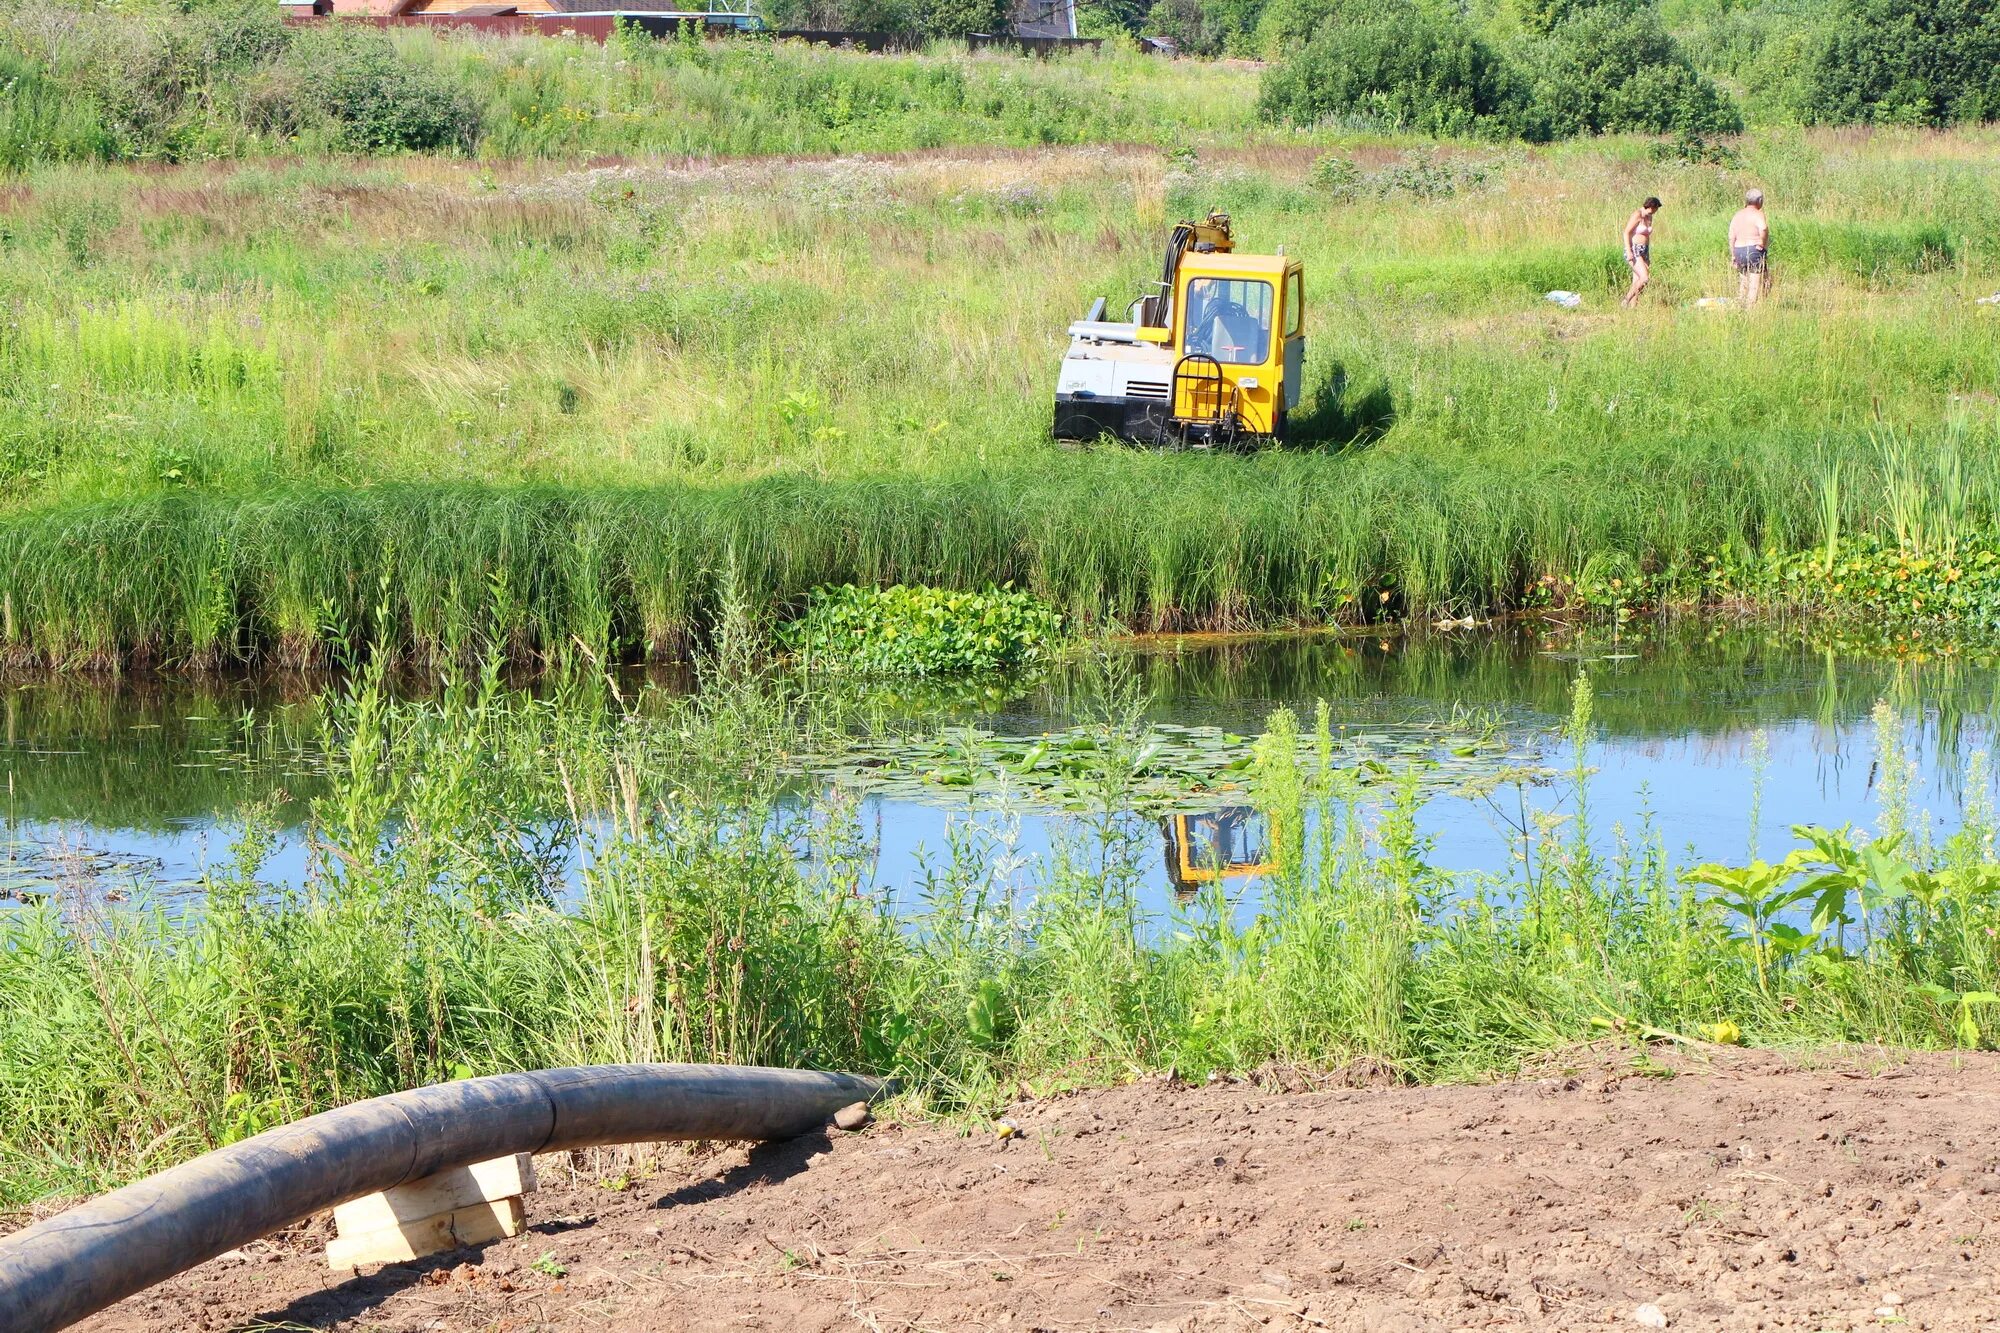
(467, 1205)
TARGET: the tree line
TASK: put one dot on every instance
(213, 78)
(1550, 69)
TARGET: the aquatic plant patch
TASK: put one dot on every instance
(1953, 592)
(916, 631)
(1157, 767)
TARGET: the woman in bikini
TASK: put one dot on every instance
(1639, 248)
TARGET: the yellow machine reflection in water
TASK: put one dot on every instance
(1233, 842)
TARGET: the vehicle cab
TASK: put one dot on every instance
(1239, 332)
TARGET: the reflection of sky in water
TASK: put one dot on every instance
(1676, 739)
(1698, 790)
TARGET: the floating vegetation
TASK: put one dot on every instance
(922, 632)
(36, 870)
(1159, 768)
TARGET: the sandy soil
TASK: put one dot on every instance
(1750, 1192)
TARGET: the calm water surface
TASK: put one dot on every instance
(141, 782)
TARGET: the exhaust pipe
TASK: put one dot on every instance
(77, 1263)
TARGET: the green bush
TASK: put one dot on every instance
(202, 81)
(956, 18)
(42, 121)
(144, 83)
(935, 18)
(1336, 175)
(917, 631)
(1207, 27)
(1395, 67)
(1613, 68)
(353, 81)
(1762, 50)
(1906, 62)
(1602, 68)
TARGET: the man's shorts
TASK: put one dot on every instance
(1749, 258)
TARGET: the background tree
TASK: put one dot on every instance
(1906, 62)
(1398, 66)
(369, 99)
(1613, 68)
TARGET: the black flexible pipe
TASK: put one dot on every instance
(76, 1263)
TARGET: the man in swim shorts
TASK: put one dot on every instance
(1750, 248)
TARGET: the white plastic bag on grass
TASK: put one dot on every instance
(1567, 300)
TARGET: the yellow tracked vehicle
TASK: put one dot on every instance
(1211, 360)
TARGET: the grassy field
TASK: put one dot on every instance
(569, 395)
(715, 921)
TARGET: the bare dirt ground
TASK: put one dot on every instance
(1746, 1191)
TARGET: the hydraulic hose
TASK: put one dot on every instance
(76, 1263)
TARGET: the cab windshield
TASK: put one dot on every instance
(1230, 320)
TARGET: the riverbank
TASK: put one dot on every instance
(491, 881)
(1728, 1190)
(247, 404)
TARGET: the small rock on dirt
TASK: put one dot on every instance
(851, 1117)
(1650, 1316)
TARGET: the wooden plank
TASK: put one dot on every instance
(414, 1239)
(433, 1196)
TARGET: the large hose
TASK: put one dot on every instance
(76, 1263)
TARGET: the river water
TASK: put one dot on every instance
(1699, 734)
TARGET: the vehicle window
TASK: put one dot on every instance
(1231, 837)
(1295, 304)
(1230, 320)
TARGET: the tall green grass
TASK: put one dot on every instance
(571, 98)
(717, 919)
(623, 573)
